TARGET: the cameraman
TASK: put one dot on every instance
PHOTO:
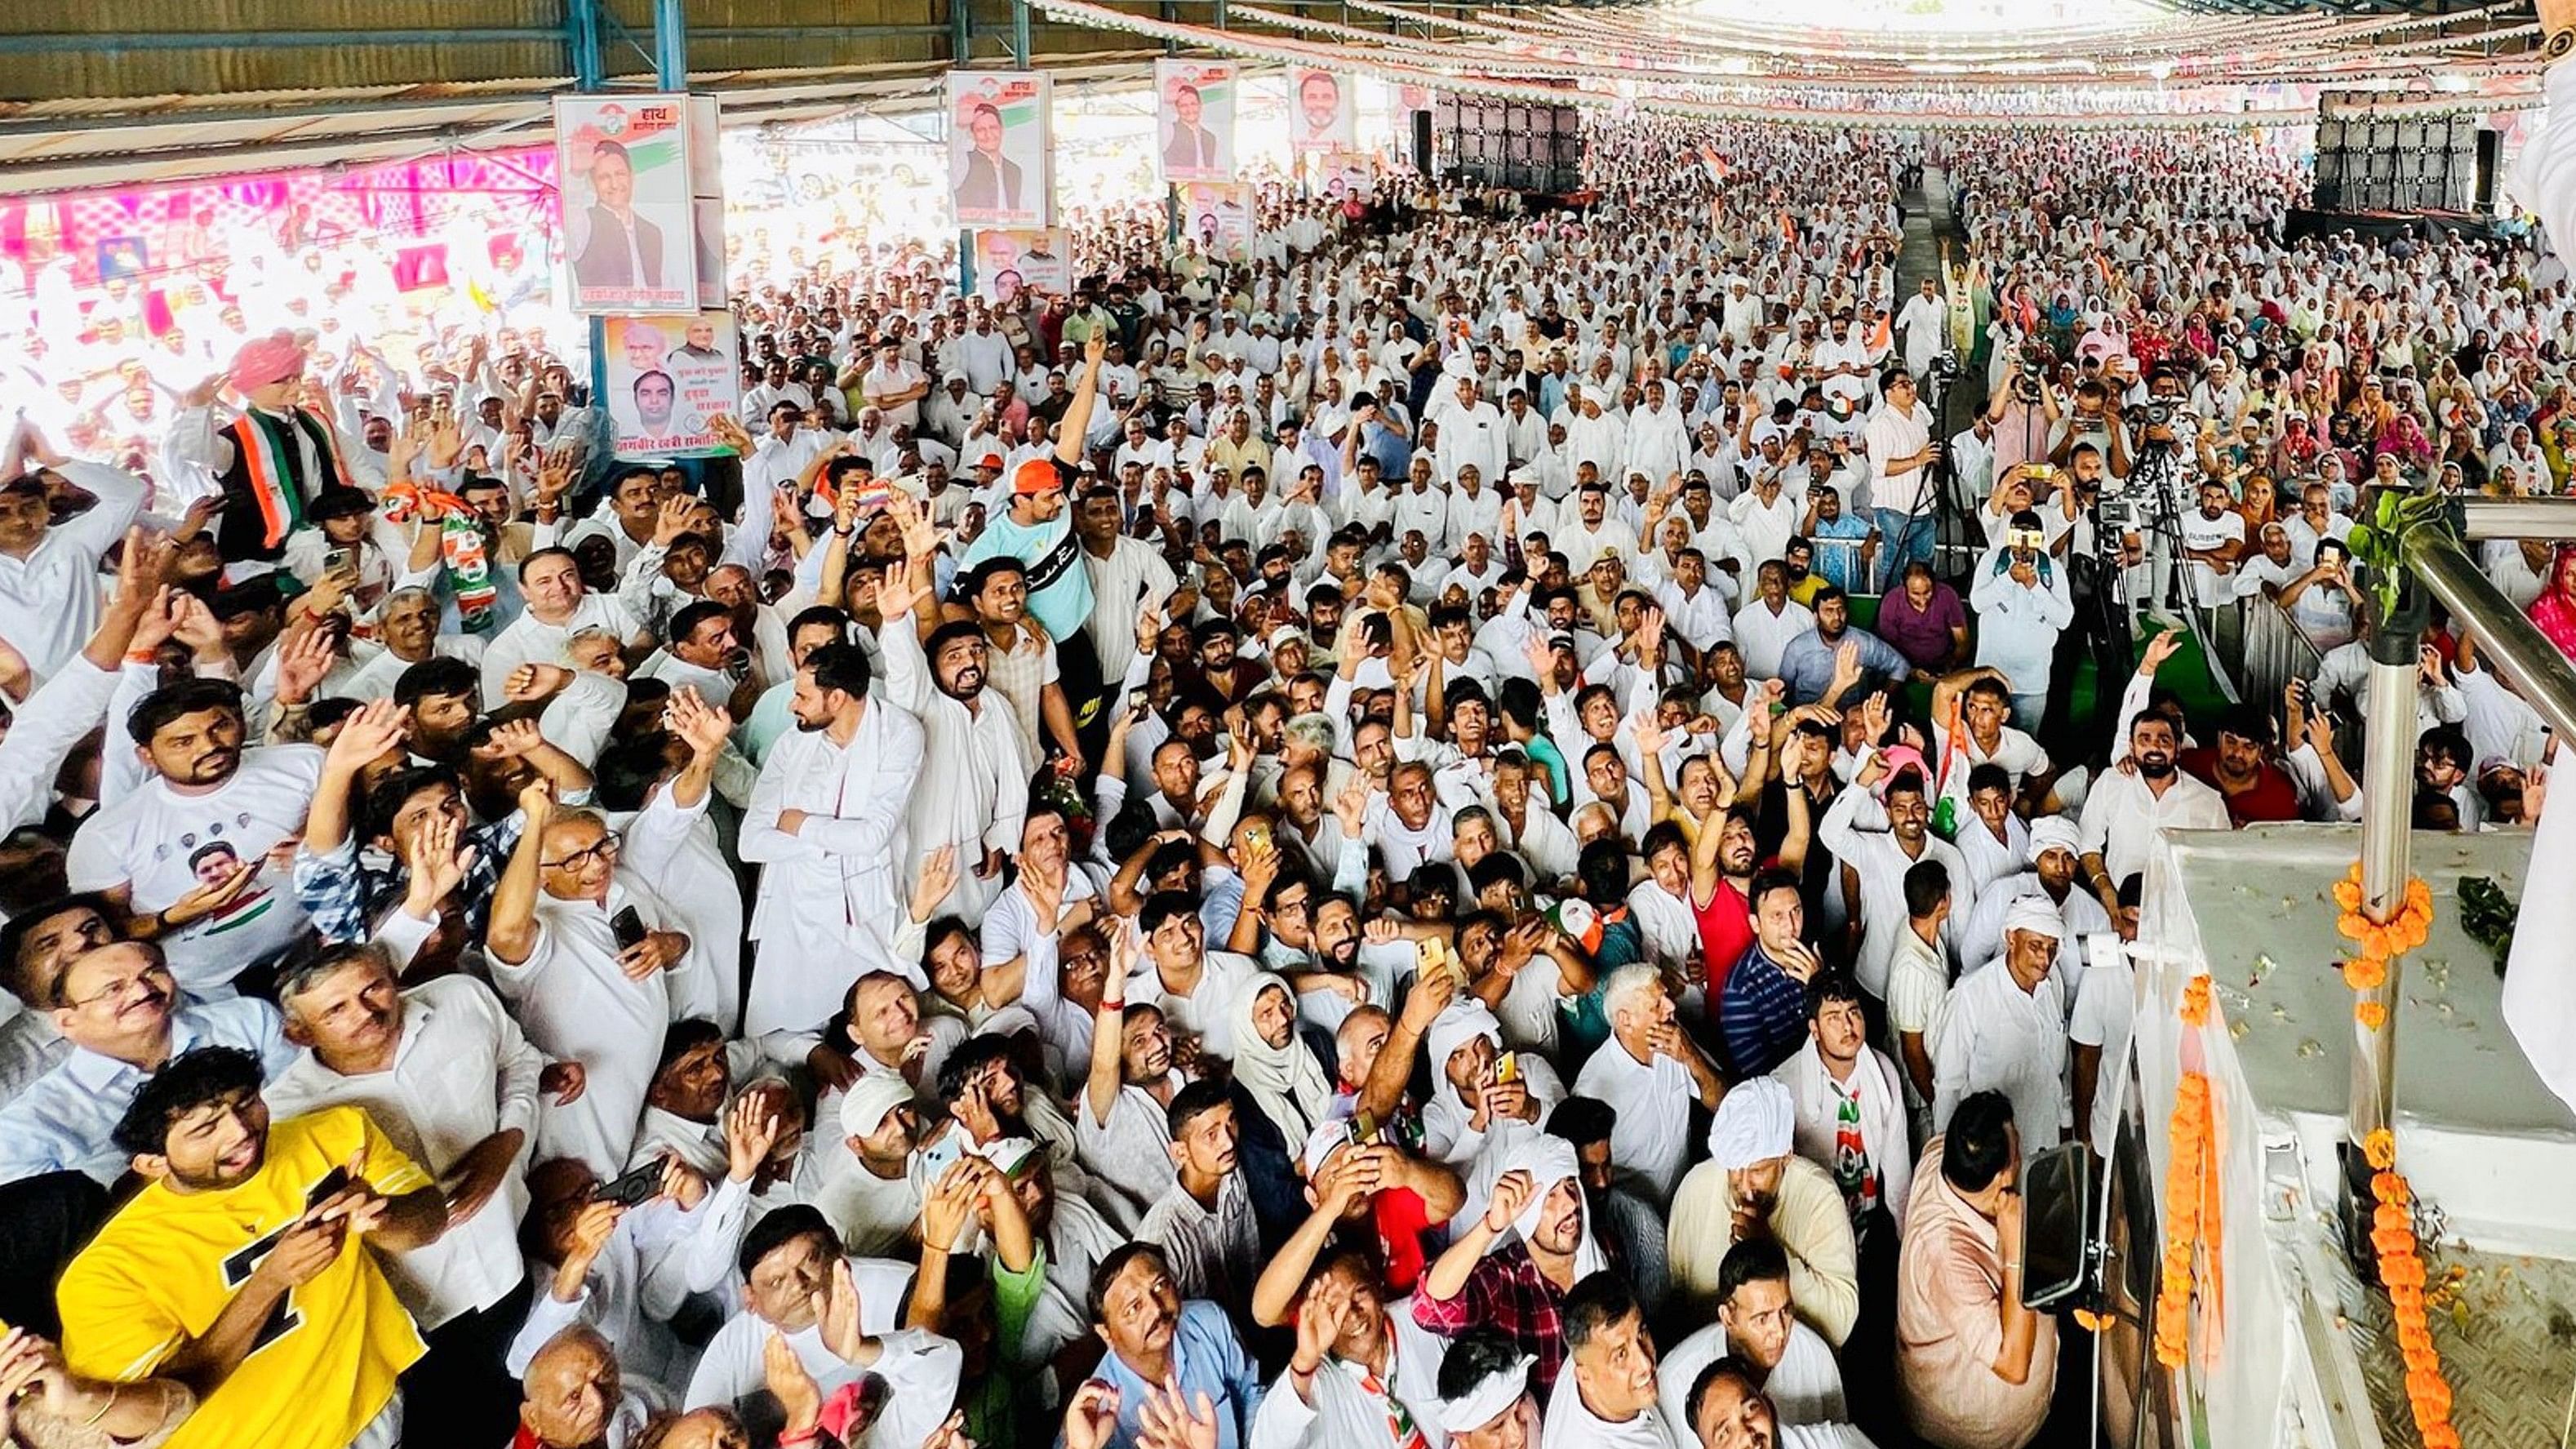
(2024, 410)
(1901, 456)
(2095, 420)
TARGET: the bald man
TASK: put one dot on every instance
(572, 1397)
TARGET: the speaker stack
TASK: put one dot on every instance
(2403, 163)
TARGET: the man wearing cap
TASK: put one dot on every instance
(868, 1194)
(1035, 530)
(1753, 1185)
(2003, 1028)
(269, 463)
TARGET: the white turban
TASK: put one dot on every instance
(1458, 1024)
(2053, 832)
(1491, 1398)
(2035, 914)
(1754, 1124)
(865, 1105)
(1549, 1160)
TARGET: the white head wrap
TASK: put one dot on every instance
(1549, 1160)
(2053, 832)
(865, 1105)
(2035, 914)
(1287, 1081)
(1754, 1124)
(1491, 1398)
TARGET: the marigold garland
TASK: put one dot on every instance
(2378, 941)
(2191, 1191)
(2401, 1269)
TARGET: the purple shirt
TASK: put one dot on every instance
(1922, 637)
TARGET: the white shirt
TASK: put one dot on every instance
(1892, 435)
(1881, 864)
(49, 600)
(531, 640)
(828, 897)
(576, 1005)
(156, 840)
(461, 1072)
(2122, 816)
(1994, 1035)
(1651, 1137)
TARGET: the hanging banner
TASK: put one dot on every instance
(1194, 102)
(1008, 263)
(668, 379)
(706, 198)
(1324, 112)
(1218, 216)
(998, 145)
(1347, 176)
(628, 232)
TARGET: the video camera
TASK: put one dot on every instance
(2031, 381)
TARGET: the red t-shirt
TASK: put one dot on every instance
(2273, 797)
(1725, 930)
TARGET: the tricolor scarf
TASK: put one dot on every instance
(267, 450)
(460, 547)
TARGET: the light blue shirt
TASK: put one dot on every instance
(1208, 1359)
(64, 1121)
(2018, 624)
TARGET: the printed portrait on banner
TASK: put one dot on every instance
(997, 148)
(629, 236)
(1195, 109)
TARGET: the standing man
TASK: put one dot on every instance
(1035, 530)
(1924, 324)
(826, 824)
(1901, 457)
(269, 463)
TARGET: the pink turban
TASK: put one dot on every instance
(264, 360)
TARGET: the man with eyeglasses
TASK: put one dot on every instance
(579, 948)
(124, 1016)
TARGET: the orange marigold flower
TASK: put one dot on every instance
(2370, 1014)
(2388, 1187)
(2379, 1148)
(2364, 973)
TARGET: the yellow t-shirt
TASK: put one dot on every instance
(164, 1267)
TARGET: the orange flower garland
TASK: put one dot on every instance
(2401, 1268)
(2187, 1182)
(2377, 942)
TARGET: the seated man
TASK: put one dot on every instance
(246, 1238)
(1155, 1338)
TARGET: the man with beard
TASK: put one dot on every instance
(826, 823)
(972, 793)
(123, 1015)
(1881, 859)
(1754, 1185)
(2128, 807)
(1812, 663)
(2240, 768)
(1204, 1222)
(209, 789)
(242, 1225)
(1520, 1288)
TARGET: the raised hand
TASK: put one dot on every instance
(368, 734)
(1511, 1194)
(902, 588)
(705, 727)
(752, 1130)
(1091, 1416)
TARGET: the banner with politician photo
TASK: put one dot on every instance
(1194, 134)
(1008, 263)
(628, 233)
(1219, 218)
(1323, 114)
(1347, 176)
(998, 146)
(669, 378)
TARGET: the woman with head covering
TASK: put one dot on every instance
(2555, 610)
(1272, 1063)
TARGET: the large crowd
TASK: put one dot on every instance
(1475, 829)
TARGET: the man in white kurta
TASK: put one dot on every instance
(1650, 1073)
(827, 825)
(2004, 1029)
(1924, 324)
(973, 793)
